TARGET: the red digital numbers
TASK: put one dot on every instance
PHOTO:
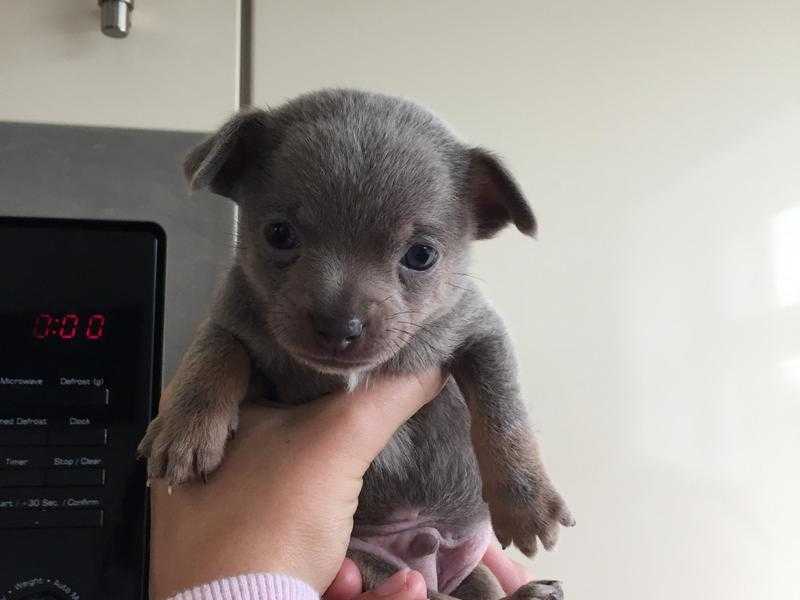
(69, 326)
(41, 327)
(94, 330)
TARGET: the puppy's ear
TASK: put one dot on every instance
(217, 162)
(496, 199)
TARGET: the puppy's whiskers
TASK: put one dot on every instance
(405, 312)
(416, 336)
(410, 347)
(389, 297)
(423, 339)
(419, 326)
(467, 275)
(458, 287)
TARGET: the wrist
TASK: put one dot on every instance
(192, 544)
(268, 586)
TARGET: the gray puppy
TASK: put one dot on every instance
(357, 211)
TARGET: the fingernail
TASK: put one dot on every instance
(416, 586)
(394, 584)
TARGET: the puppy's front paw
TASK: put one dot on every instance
(523, 513)
(181, 444)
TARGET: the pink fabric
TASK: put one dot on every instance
(254, 586)
(444, 558)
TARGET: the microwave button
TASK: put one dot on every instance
(22, 458)
(22, 436)
(77, 396)
(57, 397)
(75, 477)
(72, 458)
(24, 519)
(21, 478)
(78, 436)
(81, 502)
(12, 422)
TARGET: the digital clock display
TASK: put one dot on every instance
(68, 326)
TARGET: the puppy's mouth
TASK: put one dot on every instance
(332, 363)
(364, 350)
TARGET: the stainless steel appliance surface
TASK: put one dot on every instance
(81, 358)
(128, 174)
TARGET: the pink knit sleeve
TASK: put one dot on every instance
(254, 586)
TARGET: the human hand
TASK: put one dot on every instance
(284, 498)
(512, 575)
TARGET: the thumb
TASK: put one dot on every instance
(511, 574)
(403, 585)
(347, 584)
(365, 419)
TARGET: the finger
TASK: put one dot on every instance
(509, 573)
(368, 417)
(347, 584)
(403, 585)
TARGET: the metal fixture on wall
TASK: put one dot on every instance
(245, 91)
(115, 17)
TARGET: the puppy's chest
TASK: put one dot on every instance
(428, 466)
(290, 384)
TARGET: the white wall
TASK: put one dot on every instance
(177, 69)
(658, 316)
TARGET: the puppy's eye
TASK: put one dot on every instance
(420, 257)
(281, 236)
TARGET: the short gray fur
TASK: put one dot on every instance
(357, 179)
(108, 173)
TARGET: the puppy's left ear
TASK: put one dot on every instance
(495, 197)
(218, 162)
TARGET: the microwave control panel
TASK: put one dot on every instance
(81, 313)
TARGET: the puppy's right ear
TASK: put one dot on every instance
(496, 198)
(218, 162)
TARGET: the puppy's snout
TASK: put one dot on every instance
(338, 332)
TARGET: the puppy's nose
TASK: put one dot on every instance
(338, 332)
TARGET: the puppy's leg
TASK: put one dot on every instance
(481, 584)
(373, 569)
(188, 437)
(539, 590)
(523, 502)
